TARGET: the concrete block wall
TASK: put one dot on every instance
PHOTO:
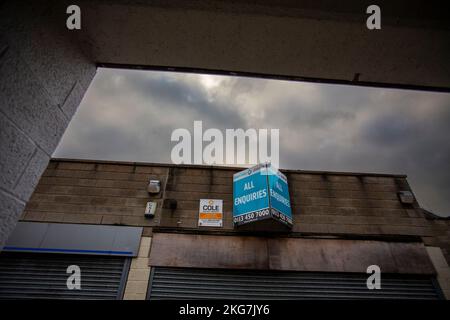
(73, 191)
(139, 274)
(43, 77)
(95, 193)
(322, 203)
(440, 237)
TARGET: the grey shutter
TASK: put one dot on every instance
(185, 283)
(36, 276)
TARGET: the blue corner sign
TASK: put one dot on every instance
(260, 193)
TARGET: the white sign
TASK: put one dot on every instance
(150, 209)
(210, 213)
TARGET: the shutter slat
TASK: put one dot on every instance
(43, 276)
(186, 283)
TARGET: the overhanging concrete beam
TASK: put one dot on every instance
(323, 41)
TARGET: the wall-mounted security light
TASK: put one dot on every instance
(406, 197)
(154, 186)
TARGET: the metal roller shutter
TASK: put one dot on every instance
(185, 283)
(43, 276)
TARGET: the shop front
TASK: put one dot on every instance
(187, 266)
(146, 231)
(39, 261)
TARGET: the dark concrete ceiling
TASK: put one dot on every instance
(305, 40)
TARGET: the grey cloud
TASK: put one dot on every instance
(171, 95)
(129, 115)
(390, 129)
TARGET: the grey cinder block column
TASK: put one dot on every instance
(43, 77)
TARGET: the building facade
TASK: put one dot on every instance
(91, 214)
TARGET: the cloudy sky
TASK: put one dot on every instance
(129, 115)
